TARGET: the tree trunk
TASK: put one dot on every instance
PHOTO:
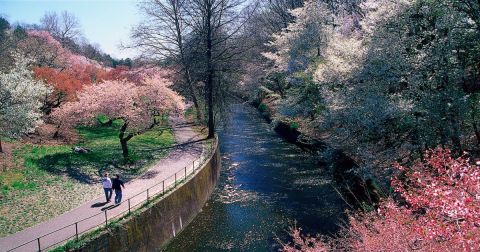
(199, 113)
(1, 149)
(477, 132)
(57, 132)
(210, 72)
(474, 124)
(124, 140)
(455, 129)
(186, 64)
(124, 148)
(196, 105)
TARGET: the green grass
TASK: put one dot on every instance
(190, 115)
(105, 155)
(45, 172)
(190, 112)
(294, 125)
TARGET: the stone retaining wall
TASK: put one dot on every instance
(155, 226)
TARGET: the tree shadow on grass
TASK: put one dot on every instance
(86, 167)
(181, 146)
(81, 167)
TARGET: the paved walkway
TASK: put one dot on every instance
(180, 159)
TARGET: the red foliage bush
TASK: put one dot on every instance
(65, 83)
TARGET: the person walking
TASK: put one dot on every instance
(107, 186)
(117, 185)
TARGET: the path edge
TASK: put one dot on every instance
(153, 226)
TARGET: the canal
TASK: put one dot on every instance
(266, 185)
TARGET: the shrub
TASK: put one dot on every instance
(294, 125)
(440, 212)
(263, 107)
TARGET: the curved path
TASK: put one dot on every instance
(188, 149)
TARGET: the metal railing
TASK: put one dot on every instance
(103, 218)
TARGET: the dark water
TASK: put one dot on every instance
(266, 184)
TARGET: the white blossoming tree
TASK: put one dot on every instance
(20, 99)
(301, 42)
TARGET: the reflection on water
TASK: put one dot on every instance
(265, 184)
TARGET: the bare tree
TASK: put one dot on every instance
(217, 24)
(277, 12)
(162, 36)
(197, 35)
(65, 26)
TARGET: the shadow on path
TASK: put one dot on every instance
(110, 207)
(98, 204)
(179, 146)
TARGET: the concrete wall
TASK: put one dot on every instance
(155, 226)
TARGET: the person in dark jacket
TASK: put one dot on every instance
(117, 185)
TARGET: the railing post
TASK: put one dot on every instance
(39, 248)
(163, 186)
(185, 173)
(76, 230)
(148, 196)
(193, 166)
(128, 206)
(175, 180)
(106, 219)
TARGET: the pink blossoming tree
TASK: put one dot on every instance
(136, 104)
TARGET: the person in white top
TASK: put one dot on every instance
(107, 186)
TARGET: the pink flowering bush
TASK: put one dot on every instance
(444, 192)
(305, 243)
(387, 230)
(440, 211)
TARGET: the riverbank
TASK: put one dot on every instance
(357, 190)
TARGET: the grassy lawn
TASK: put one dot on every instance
(50, 180)
(190, 114)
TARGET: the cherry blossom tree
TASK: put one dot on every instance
(43, 48)
(304, 243)
(136, 105)
(20, 99)
(48, 51)
(67, 82)
(386, 230)
(65, 71)
(294, 47)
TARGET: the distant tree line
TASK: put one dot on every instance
(64, 27)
